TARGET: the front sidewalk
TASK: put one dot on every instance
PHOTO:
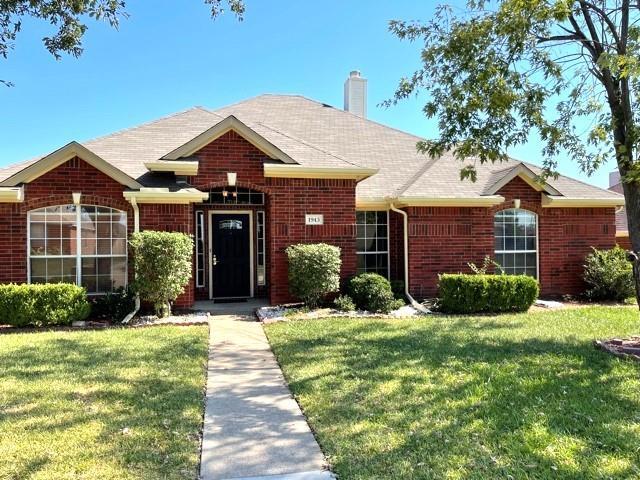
(253, 428)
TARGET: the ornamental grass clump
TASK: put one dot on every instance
(162, 262)
(314, 271)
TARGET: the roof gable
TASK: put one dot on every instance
(219, 129)
(62, 155)
(525, 173)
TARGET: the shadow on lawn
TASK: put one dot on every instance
(111, 387)
(455, 399)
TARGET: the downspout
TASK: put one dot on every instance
(405, 231)
(136, 229)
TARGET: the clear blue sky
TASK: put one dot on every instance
(169, 55)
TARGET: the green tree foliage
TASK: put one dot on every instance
(500, 71)
(162, 262)
(68, 19)
(314, 271)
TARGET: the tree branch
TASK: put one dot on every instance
(607, 20)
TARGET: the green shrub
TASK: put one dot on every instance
(397, 286)
(344, 303)
(114, 305)
(162, 262)
(609, 275)
(372, 292)
(463, 293)
(314, 271)
(42, 304)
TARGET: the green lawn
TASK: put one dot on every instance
(512, 397)
(111, 404)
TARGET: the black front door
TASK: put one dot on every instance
(231, 260)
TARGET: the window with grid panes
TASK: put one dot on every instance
(85, 244)
(516, 241)
(372, 242)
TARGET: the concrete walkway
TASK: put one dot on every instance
(253, 428)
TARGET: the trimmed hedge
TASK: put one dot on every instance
(314, 271)
(42, 304)
(463, 293)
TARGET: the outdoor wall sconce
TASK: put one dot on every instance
(231, 178)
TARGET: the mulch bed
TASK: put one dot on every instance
(182, 318)
(624, 348)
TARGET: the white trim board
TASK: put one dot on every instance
(62, 155)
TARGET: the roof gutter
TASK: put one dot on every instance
(12, 194)
(552, 201)
(405, 220)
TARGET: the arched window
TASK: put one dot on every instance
(82, 244)
(516, 241)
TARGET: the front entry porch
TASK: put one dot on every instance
(230, 235)
(234, 309)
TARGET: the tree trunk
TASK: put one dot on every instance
(632, 206)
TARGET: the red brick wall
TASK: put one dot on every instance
(445, 239)
(624, 242)
(13, 243)
(290, 201)
(396, 246)
(287, 202)
(171, 218)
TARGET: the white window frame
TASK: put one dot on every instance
(387, 252)
(200, 234)
(78, 256)
(261, 243)
(537, 249)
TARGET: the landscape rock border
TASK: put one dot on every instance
(628, 348)
(279, 313)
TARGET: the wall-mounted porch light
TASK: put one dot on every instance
(231, 178)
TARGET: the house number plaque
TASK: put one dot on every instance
(312, 219)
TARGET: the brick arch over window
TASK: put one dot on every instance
(240, 184)
(98, 200)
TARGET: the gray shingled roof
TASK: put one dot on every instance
(315, 134)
